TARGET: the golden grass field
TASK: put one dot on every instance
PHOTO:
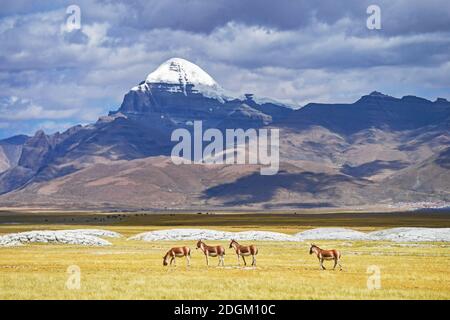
(133, 269)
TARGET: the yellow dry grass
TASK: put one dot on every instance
(133, 270)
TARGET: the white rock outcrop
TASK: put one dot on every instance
(395, 234)
(206, 234)
(413, 234)
(95, 232)
(86, 237)
(183, 234)
(263, 236)
(332, 234)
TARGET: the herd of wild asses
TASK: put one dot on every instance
(242, 251)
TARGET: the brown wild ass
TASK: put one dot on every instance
(177, 252)
(326, 255)
(212, 251)
(243, 251)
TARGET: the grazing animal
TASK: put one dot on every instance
(326, 255)
(212, 251)
(243, 251)
(177, 252)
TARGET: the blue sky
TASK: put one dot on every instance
(302, 51)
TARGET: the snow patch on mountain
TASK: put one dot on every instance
(182, 72)
(282, 102)
(179, 73)
(176, 75)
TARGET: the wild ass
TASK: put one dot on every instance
(177, 252)
(326, 255)
(212, 251)
(243, 251)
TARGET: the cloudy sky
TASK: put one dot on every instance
(294, 50)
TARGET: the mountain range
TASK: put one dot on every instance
(378, 151)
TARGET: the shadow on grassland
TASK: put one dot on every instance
(257, 188)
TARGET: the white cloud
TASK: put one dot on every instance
(321, 59)
(19, 109)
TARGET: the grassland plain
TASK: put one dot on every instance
(133, 269)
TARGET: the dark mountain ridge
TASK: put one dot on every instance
(375, 110)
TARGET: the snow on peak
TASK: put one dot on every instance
(180, 73)
(183, 72)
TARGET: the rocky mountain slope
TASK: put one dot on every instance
(10, 151)
(380, 150)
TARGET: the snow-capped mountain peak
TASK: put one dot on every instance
(182, 72)
(178, 75)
